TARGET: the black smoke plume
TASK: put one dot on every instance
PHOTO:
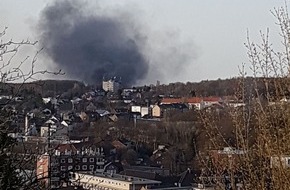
(88, 46)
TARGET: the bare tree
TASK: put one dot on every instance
(13, 174)
(261, 127)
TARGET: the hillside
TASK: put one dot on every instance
(220, 87)
(224, 87)
(45, 87)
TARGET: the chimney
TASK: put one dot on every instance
(26, 126)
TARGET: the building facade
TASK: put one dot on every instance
(55, 168)
(111, 85)
(98, 181)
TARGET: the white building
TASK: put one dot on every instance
(280, 161)
(111, 85)
(110, 181)
(142, 110)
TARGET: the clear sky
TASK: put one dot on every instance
(215, 28)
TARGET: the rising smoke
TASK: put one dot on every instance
(89, 46)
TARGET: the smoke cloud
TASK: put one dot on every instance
(89, 47)
(89, 44)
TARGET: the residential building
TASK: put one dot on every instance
(280, 161)
(66, 158)
(111, 85)
(156, 111)
(96, 181)
(209, 101)
(195, 103)
(42, 168)
(171, 101)
(226, 158)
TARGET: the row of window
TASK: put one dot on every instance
(89, 178)
(77, 167)
(84, 160)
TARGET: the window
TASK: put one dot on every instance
(62, 160)
(84, 167)
(91, 167)
(62, 168)
(69, 168)
(77, 167)
(70, 160)
(84, 160)
(92, 159)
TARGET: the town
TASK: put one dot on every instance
(124, 138)
(144, 95)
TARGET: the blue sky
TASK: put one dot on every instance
(216, 29)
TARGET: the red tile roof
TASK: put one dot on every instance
(171, 100)
(194, 100)
(211, 99)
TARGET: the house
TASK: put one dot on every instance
(280, 161)
(143, 110)
(229, 157)
(156, 111)
(91, 107)
(162, 157)
(195, 103)
(113, 168)
(136, 109)
(102, 113)
(119, 145)
(89, 116)
(171, 101)
(55, 130)
(209, 101)
(188, 177)
(166, 108)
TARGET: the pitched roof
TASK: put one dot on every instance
(211, 99)
(194, 100)
(171, 100)
(188, 177)
(118, 144)
(66, 147)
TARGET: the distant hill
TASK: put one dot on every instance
(44, 87)
(220, 87)
(225, 87)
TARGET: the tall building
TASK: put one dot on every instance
(112, 85)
